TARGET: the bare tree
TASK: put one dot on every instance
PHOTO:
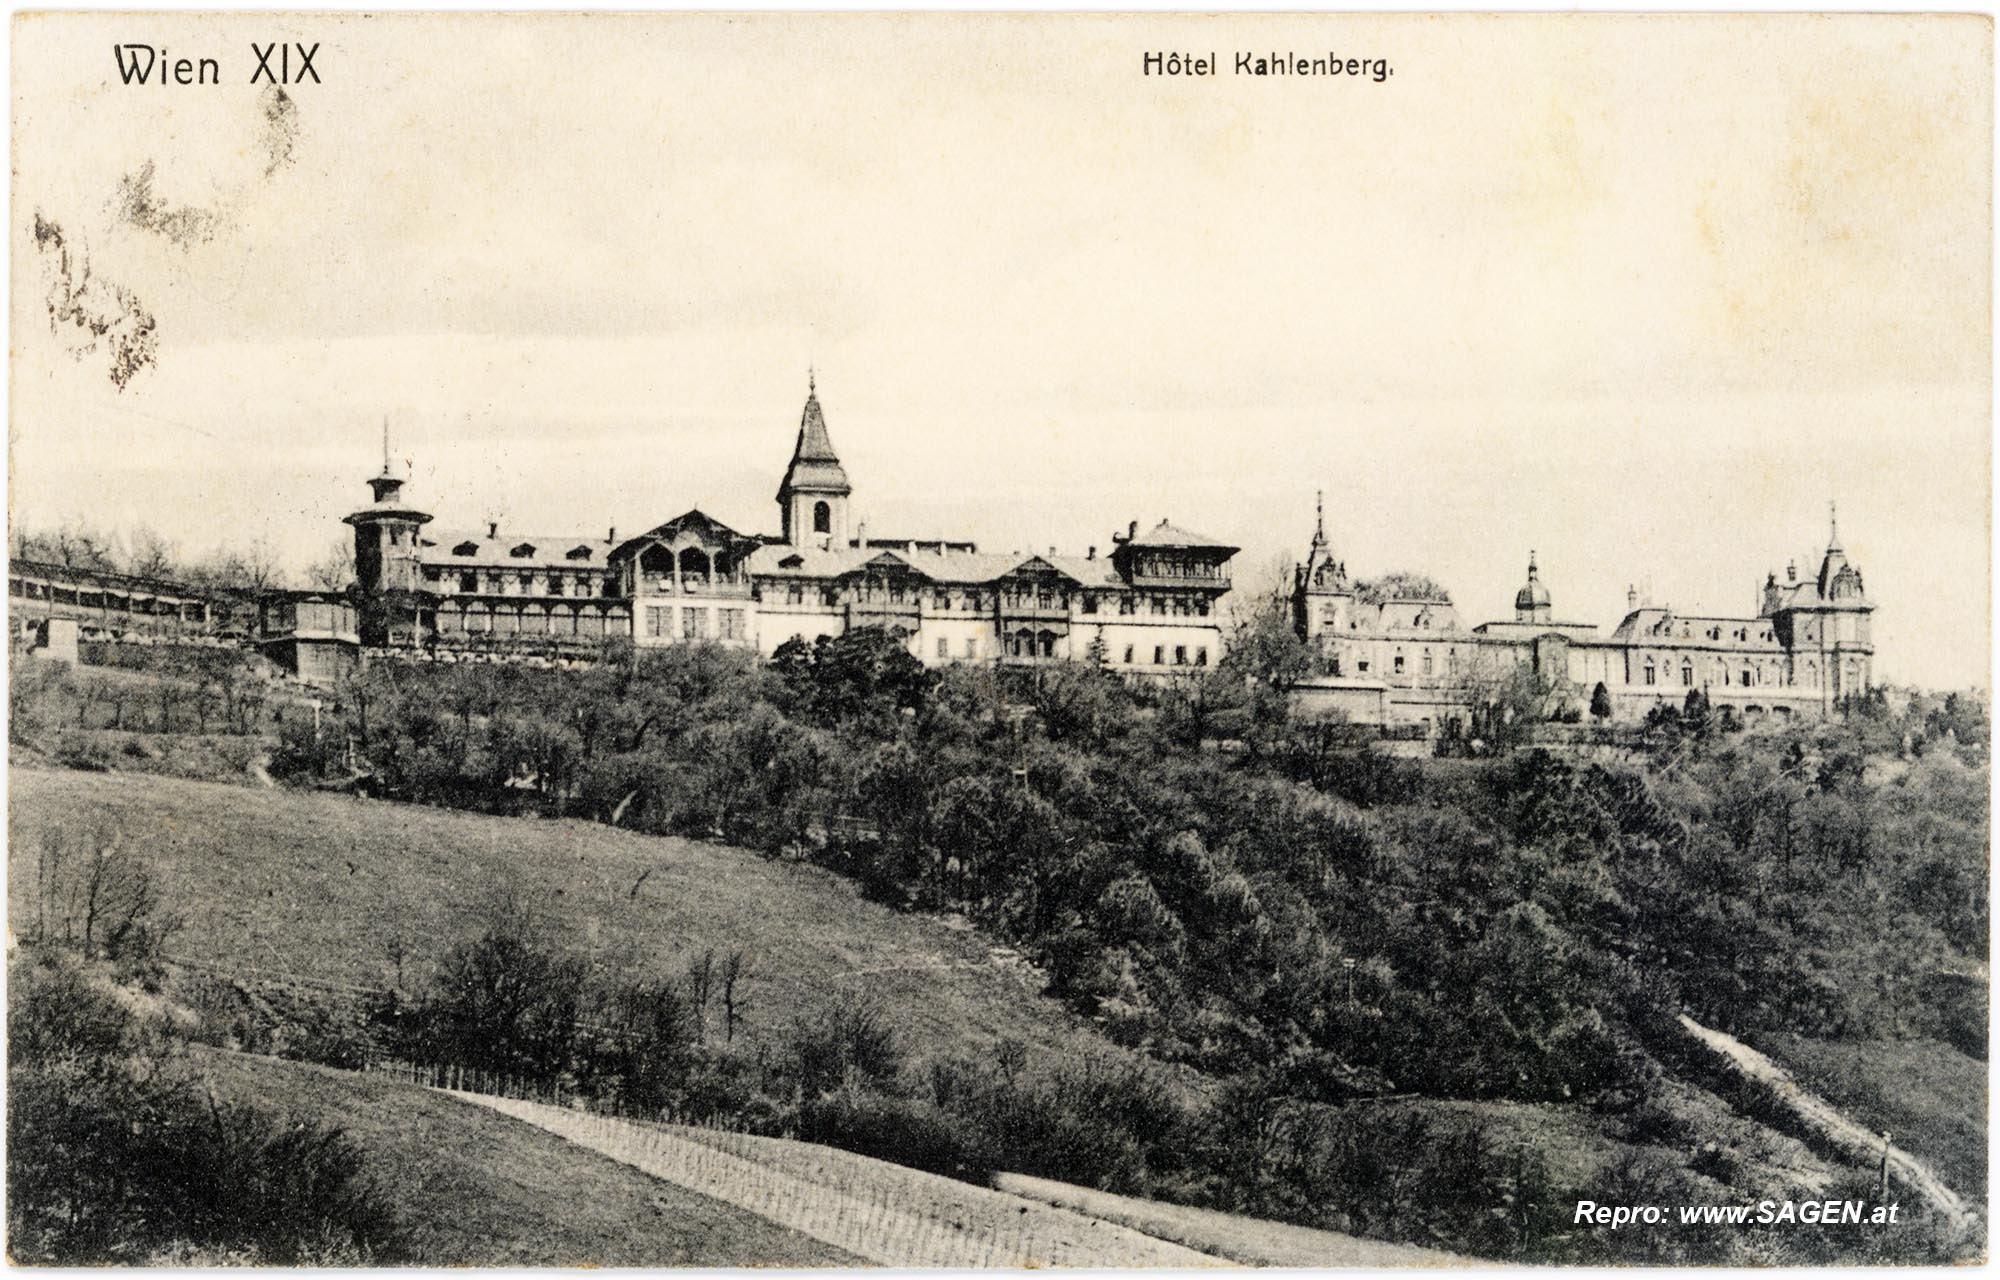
(71, 544)
(735, 977)
(149, 555)
(334, 570)
(94, 891)
(701, 987)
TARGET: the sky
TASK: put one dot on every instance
(1642, 295)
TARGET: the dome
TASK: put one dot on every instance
(1533, 595)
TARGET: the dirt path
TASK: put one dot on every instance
(1863, 1144)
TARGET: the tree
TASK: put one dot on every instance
(151, 556)
(1600, 702)
(508, 1000)
(333, 571)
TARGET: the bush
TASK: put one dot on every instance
(114, 1156)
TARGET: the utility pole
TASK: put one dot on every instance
(1882, 1179)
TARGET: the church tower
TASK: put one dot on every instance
(812, 500)
(1321, 593)
(386, 553)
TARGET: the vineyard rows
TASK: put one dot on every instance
(875, 1210)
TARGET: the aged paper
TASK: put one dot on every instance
(999, 640)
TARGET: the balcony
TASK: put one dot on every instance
(706, 585)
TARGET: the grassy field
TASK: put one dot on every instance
(1930, 1097)
(334, 889)
(478, 1189)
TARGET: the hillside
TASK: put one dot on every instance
(475, 1188)
(331, 889)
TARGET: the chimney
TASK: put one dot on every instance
(611, 534)
(1631, 597)
(1092, 555)
(492, 528)
(861, 534)
(1791, 571)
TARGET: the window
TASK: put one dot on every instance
(527, 584)
(1159, 655)
(654, 624)
(1201, 607)
(395, 537)
(943, 647)
(1399, 664)
(732, 624)
(493, 587)
(577, 553)
(822, 518)
(1180, 655)
(1687, 675)
(1128, 655)
(1427, 664)
(1089, 602)
(972, 646)
(468, 582)
(694, 624)
(1649, 673)
(1125, 606)
(1159, 606)
(1362, 666)
(1746, 677)
(1201, 656)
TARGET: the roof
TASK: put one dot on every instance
(1571, 630)
(950, 567)
(1167, 534)
(387, 507)
(496, 551)
(705, 525)
(815, 466)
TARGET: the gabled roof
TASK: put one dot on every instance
(815, 468)
(695, 521)
(1165, 534)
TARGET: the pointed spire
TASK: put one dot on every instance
(1319, 521)
(1833, 523)
(1534, 574)
(815, 466)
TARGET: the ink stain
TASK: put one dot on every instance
(281, 128)
(183, 225)
(90, 312)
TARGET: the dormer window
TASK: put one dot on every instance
(523, 551)
(577, 553)
(791, 562)
(466, 549)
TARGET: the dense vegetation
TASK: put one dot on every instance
(1285, 931)
(1232, 890)
(115, 1154)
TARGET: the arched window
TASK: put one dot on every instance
(694, 568)
(822, 518)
